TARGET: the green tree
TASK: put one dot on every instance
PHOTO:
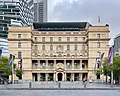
(116, 68)
(106, 69)
(5, 67)
(19, 73)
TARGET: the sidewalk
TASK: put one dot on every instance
(78, 85)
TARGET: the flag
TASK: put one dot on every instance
(102, 55)
(95, 64)
(0, 52)
(110, 56)
(98, 18)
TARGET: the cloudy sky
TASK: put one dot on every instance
(87, 10)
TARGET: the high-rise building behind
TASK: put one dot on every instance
(15, 12)
(18, 12)
(40, 11)
(117, 45)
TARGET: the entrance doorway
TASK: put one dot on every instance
(59, 76)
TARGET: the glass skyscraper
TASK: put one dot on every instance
(15, 12)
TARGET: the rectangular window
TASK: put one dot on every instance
(43, 39)
(19, 36)
(83, 47)
(83, 38)
(68, 47)
(59, 39)
(75, 65)
(51, 39)
(75, 39)
(51, 65)
(98, 36)
(35, 47)
(43, 47)
(19, 55)
(19, 45)
(75, 47)
(43, 65)
(68, 65)
(68, 39)
(98, 44)
(36, 39)
(51, 47)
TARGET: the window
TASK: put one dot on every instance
(75, 39)
(68, 47)
(19, 55)
(19, 45)
(35, 65)
(98, 54)
(51, 39)
(68, 39)
(43, 65)
(98, 36)
(43, 39)
(51, 65)
(75, 65)
(83, 38)
(68, 55)
(83, 47)
(59, 39)
(36, 39)
(98, 44)
(51, 47)
(75, 47)
(35, 47)
(68, 65)
(43, 47)
(19, 36)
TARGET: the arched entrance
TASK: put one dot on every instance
(59, 76)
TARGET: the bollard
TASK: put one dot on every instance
(59, 84)
(30, 85)
(85, 84)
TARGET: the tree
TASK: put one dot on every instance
(116, 68)
(106, 68)
(5, 67)
(19, 73)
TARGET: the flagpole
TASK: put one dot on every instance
(112, 79)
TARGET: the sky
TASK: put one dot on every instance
(87, 10)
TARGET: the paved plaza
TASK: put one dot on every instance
(59, 93)
(77, 84)
(53, 89)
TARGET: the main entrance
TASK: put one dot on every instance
(59, 76)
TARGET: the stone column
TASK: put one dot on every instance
(65, 64)
(72, 76)
(39, 78)
(80, 76)
(54, 76)
(38, 64)
(64, 76)
(72, 64)
(46, 64)
(54, 64)
(80, 64)
(46, 76)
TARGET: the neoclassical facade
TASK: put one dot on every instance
(62, 51)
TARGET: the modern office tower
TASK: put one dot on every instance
(15, 12)
(40, 11)
(117, 45)
(60, 51)
(4, 46)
